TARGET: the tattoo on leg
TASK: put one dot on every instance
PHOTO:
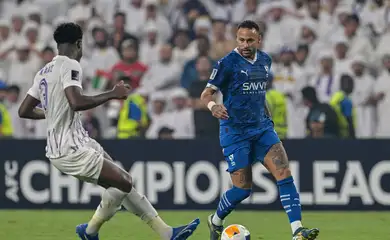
(241, 178)
(279, 158)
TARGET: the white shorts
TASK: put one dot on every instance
(85, 163)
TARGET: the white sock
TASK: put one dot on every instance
(216, 220)
(295, 225)
(110, 204)
(140, 206)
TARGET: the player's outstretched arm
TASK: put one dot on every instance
(28, 109)
(80, 102)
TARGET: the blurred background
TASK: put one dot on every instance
(166, 50)
(331, 81)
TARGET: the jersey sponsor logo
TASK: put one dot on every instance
(75, 75)
(254, 87)
(213, 74)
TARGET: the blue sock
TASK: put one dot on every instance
(289, 197)
(230, 199)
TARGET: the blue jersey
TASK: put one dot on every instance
(243, 84)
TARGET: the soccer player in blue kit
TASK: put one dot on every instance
(247, 133)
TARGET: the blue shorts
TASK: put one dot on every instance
(244, 153)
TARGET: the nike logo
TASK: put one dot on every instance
(245, 72)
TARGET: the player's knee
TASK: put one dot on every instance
(127, 184)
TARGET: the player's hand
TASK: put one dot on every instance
(121, 90)
(219, 111)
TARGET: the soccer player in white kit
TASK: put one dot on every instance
(57, 89)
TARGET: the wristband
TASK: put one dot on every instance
(210, 105)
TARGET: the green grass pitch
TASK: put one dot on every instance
(53, 225)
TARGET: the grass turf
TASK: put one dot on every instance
(55, 224)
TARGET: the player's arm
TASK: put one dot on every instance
(70, 74)
(217, 78)
(28, 109)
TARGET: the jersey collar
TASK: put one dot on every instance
(250, 61)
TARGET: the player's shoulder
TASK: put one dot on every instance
(228, 59)
(264, 56)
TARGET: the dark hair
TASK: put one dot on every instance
(50, 49)
(249, 25)
(219, 20)
(353, 18)
(304, 47)
(310, 94)
(119, 14)
(68, 33)
(13, 88)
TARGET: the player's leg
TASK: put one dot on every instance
(238, 158)
(139, 205)
(118, 185)
(276, 161)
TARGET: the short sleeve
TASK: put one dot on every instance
(218, 75)
(34, 90)
(346, 107)
(71, 74)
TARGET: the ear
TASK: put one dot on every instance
(79, 44)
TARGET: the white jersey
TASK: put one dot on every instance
(65, 133)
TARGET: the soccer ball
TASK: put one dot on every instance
(235, 232)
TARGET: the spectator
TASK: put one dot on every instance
(382, 99)
(133, 117)
(289, 80)
(220, 45)
(206, 126)
(342, 63)
(343, 106)
(47, 55)
(182, 117)
(119, 33)
(45, 30)
(362, 98)
(189, 72)
(326, 81)
(182, 53)
(129, 66)
(12, 102)
(321, 120)
(159, 116)
(31, 33)
(358, 45)
(152, 14)
(17, 24)
(163, 74)
(23, 60)
(165, 133)
(277, 105)
(6, 128)
(150, 44)
(6, 39)
(103, 59)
